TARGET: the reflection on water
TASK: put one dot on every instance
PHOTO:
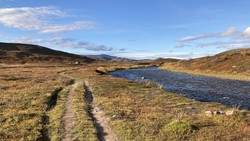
(202, 88)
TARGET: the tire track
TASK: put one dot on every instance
(100, 120)
(69, 117)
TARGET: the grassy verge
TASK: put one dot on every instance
(84, 127)
(55, 126)
(105, 69)
(222, 74)
(145, 112)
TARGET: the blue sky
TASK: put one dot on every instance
(129, 28)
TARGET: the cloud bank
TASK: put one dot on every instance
(48, 20)
(196, 37)
(236, 38)
(172, 54)
(246, 33)
(67, 43)
(229, 32)
(40, 19)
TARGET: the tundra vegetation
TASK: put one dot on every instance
(39, 92)
(33, 99)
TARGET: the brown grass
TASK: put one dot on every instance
(234, 64)
(138, 111)
(146, 112)
(25, 93)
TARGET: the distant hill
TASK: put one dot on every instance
(105, 57)
(25, 53)
(233, 61)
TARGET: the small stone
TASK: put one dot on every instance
(221, 112)
(216, 112)
(231, 112)
(209, 112)
(113, 117)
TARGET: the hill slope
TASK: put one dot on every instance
(22, 53)
(235, 62)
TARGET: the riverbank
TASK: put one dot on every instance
(209, 89)
(136, 111)
(225, 75)
(232, 64)
(140, 111)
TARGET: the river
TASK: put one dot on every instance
(232, 93)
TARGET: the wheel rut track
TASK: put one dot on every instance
(100, 120)
(69, 116)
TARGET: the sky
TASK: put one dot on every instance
(138, 29)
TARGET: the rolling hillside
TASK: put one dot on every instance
(230, 62)
(26, 53)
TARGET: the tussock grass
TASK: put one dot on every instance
(55, 126)
(25, 92)
(137, 111)
(146, 112)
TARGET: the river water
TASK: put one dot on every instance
(232, 93)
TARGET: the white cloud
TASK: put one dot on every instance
(230, 31)
(27, 18)
(196, 37)
(149, 55)
(180, 45)
(234, 43)
(66, 43)
(227, 45)
(40, 19)
(246, 33)
(63, 28)
(92, 47)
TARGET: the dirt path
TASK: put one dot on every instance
(69, 117)
(101, 121)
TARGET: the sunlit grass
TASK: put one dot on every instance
(146, 112)
(25, 93)
(137, 111)
(84, 127)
